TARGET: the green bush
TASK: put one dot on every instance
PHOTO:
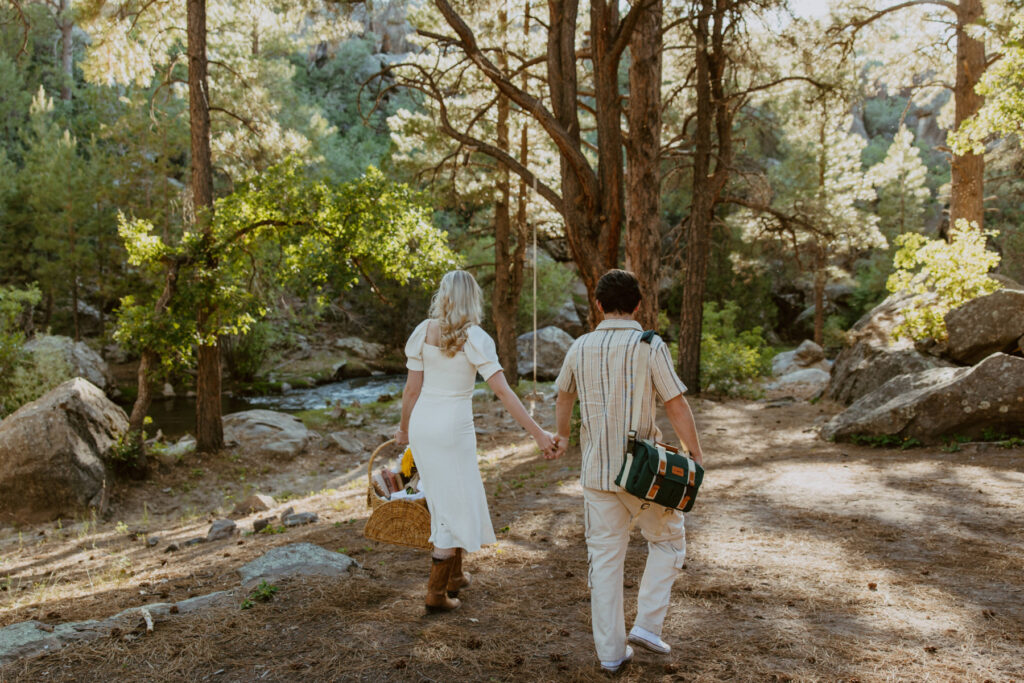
(729, 358)
(954, 272)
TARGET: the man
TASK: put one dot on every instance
(599, 369)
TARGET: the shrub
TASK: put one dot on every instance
(245, 353)
(731, 358)
(955, 272)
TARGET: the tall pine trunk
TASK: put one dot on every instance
(967, 192)
(66, 25)
(643, 179)
(209, 430)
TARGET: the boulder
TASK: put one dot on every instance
(986, 325)
(568, 319)
(360, 348)
(221, 529)
(807, 355)
(295, 559)
(801, 384)
(874, 357)
(345, 442)
(552, 344)
(170, 455)
(351, 368)
(52, 451)
(268, 432)
(939, 403)
(257, 502)
(79, 358)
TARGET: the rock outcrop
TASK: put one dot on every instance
(552, 344)
(807, 355)
(81, 361)
(874, 357)
(939, 403)
(52, 452)
(296, 559)
(986, 325)
(268, 432)
(800, 384)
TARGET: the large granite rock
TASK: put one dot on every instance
(567, 318)
(52, 450)
(79, 358)
(360, 348)
(985, 325)
(552, 344)
(801, 384)
(874, 357)
(268, 432)
(807, 355)
(939, 403)
(295, 559)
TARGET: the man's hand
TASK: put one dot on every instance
(561, 444)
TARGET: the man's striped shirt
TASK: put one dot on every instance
(600, 367)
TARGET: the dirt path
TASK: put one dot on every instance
(806, 561)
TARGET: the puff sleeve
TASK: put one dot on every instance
(481, 352)
(414, 347)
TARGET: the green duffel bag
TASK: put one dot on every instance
(659, 473)
(654, 471)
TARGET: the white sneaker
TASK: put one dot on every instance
(647, 640)
(616, 666)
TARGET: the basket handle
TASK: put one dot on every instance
(373, 456)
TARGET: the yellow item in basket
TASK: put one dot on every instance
(407, 463)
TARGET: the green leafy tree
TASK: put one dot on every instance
(900, 180)
(15, 306)
(943, 275)
(281, 228)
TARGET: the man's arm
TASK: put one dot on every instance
(681, 417)
(563, 416)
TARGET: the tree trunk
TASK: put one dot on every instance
(643, 180)
(820, 278)
(713, 111)
(968, 170)
(508, 260)
(209, 430)
(67, 25)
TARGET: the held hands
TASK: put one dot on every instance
(552, 445)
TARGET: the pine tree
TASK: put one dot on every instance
(900, 182)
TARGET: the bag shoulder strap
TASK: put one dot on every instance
(643, 366)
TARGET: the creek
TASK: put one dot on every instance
(177, 416)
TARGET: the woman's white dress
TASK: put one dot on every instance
(443, 439)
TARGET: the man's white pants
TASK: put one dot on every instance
(607, 519)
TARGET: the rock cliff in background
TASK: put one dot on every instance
(939, 403)
(80, 359)
(52, 450)
(552, 343)
(268, 432)
(985, 325)
(873, 357)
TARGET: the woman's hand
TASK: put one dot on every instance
(547, 443)
(401, 437)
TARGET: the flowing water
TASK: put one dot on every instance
(177, 416)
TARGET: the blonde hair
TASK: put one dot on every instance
(457, 306)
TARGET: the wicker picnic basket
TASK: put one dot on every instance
(402, 522)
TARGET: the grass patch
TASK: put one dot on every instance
(886, 441)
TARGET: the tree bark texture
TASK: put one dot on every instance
(643, 180)
(509, 258)
(968, 170)
(66, 25)
(712, 143)
(209, 430)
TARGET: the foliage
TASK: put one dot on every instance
(264, 592)
(731, 358)
(886, 441)
(1001, 85)
(953, 272)
(15, 304)
(900, 180)
(554, 289)
(244, 354)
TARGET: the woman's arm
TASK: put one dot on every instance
(413, 385)
(499, 385)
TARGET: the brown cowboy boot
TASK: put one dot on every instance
(459, 579)
(437, 598)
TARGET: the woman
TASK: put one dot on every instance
(445, 354)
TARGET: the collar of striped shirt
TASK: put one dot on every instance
(618, 324)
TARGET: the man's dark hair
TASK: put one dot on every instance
(618, 291)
